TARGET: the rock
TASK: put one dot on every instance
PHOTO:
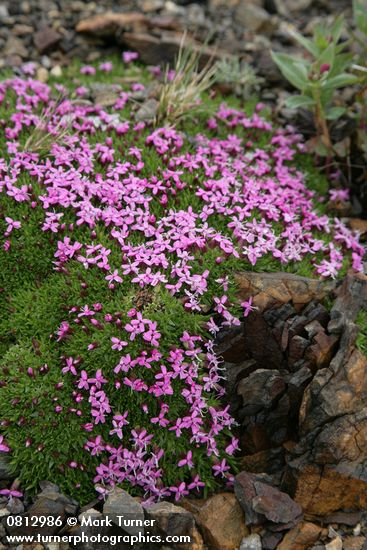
(154, 50)
(252, 542)
(148, 111)
(260, 390)
(327, 470)
(148, 6)
(4, 511)
(353, 543)
(166, 22)
(22, 30)
(256, 332)
(344, 518)
(105, 95)
(172, 520)
(108, 23)
(358, 225)
(120, 503)
(321, 490)
(220, 519)
(56, 71)
(270, 540)
(15, 47)
(43, 506)
(15, 506)
(268, 70)
(262, 502)
(270, 461)
(4, 12)
(275, 289)
(86, 532)
(287, 7)
(321, 351)
(252, 17)
(335, 544)
(46, 39)
(302, 536)
(42, 74)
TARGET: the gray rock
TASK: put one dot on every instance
(171, 519)
(147, 111)
(252, 17)
(260, 389)
(285, 7)
(252, 542)
(15, 506)
(261, 502)
(4, 12)
(14, 46)
(46, 39)
(120, 503)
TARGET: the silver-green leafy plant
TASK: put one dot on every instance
(239, 76)
(360, 67)
(326, 68)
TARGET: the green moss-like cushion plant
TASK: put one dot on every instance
(118, 246)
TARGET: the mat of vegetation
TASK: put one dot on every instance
(119, 243)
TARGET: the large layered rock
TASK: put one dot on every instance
(271, 289)
(304, 535)
(301, 399)
(264, 504)
(265, 383)
(171, 520)
(220, 519)
(327, 469)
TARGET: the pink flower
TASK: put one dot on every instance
(248, 307)
(88, 70)
(3, 447)
(107, 67)
(180, 491)
(11, 493)
(187, 461)
(324, 68)
(128, 56)
(221, 468)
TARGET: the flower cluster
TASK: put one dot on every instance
(139, 219)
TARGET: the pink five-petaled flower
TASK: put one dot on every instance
(114, 277)
(180, 491)
(96, 446)
(12, 224)
(232, 447)
(221, 468)
(98, 380)
(11, 493)
(195, 483)
(118, 422)
(248, 307)
(118, 344)
(186, 461)
(70, 366)
(339, 194)
(107, 67)
(3, 447)
(128, 56)
(88, 70)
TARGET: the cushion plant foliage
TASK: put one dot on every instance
(118, 246)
